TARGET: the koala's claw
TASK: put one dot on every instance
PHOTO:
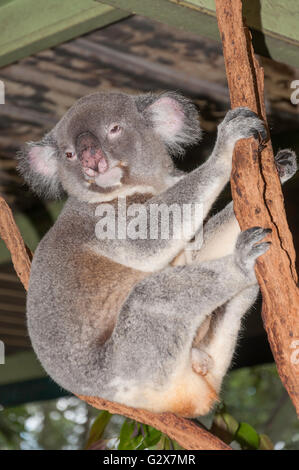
(241, 123)
(240, 111)
(286, 164)
(259, 133)
(248, 249)
(260, 249)
(252, 236)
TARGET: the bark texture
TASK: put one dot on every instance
(258, 199)
(21, 256)
(189, 435)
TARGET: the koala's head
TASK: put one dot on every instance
(111, 143)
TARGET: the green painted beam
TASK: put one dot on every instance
(274, 22)
(275, 17)
(20, 367)
(23, 380)
(29, 26)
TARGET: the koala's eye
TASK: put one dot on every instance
(70, 155)
(114, 130)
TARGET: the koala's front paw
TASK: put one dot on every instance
(286, 164)
(241, 123)
(248, 249)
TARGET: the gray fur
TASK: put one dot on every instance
(112, 318)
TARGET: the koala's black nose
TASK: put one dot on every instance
(90, 154)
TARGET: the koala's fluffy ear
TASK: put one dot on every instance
(37, 163)
(173, 117)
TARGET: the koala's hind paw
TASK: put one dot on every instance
(241, 123)
(248, 249)
(202, 362)
(286, 164)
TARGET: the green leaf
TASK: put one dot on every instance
(160, 445)
(137, 443)
(98, 427)
(247, 436)
(152, 437)
(176, 446)
(265, 443)
(231, 422)
(224, 426)
(126, 434)
(167, 444)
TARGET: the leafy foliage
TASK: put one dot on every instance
(57, 424)
(98, 428)
(255, 395)
(132, 436)
(257, 412)
(227, 428)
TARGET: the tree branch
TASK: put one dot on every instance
(258, 198)
(21, 255)
(185, 432)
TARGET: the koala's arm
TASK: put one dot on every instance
(202, 186)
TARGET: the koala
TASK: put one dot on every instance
(144, 322)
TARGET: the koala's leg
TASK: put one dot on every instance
(220, 234)
(219, 238)
(213, 355)
(152, 340)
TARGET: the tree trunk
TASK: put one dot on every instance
(258, 199)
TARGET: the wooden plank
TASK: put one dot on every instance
(27, 26)
(274, 22)
(134, 64)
